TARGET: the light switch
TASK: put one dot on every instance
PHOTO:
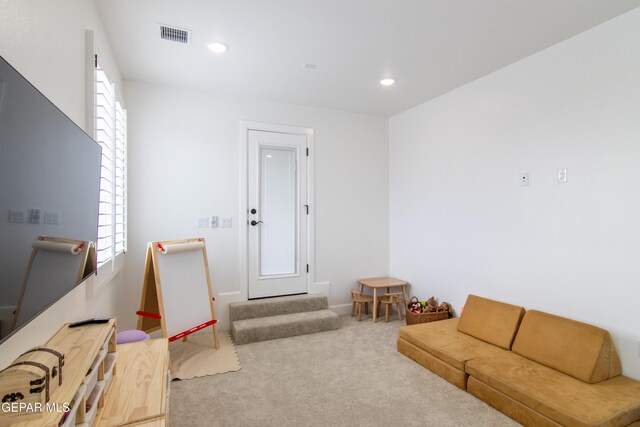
(203, 222)
(215, 221)
(17, 216)
(227, 222)
(52, 218)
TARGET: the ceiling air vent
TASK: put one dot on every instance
(175, 34)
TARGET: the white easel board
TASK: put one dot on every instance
(177, 295)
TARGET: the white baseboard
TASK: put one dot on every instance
(226, 294)
(341, 308)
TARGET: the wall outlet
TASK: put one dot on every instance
(562, 175)
(35, 217)
(17, 216)
(215, 221)
(227, 222)
(203, 222)
(524, 178)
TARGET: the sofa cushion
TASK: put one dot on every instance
(508, 406)
(561, 398)
(442, 340)
(583, 351)
(455, 376)
(491, 321)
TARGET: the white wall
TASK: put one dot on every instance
(45, 41)
(460, 222)
(184, 162)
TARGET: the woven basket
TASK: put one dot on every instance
(416, 318)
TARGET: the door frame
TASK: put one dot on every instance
(243, 209)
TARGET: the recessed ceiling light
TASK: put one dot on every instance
(218, 47)
(387, 81)
(310, 66)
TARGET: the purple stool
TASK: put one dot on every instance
(132, 335)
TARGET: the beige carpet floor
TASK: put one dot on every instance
(349, 377)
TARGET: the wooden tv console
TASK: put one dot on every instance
(124, 385)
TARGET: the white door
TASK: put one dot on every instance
(277, 214)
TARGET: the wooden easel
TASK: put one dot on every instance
(84, 250)
(173, 292)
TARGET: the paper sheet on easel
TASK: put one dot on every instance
(185, 293)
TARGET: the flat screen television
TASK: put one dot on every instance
(49, 186)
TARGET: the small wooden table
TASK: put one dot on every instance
(382, 282)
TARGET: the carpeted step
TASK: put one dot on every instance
(284, 325)
(277, 306)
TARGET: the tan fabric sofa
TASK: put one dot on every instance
(537, 368)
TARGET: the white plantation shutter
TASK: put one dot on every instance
(111, 134)
(120, 239)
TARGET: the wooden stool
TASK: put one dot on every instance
(389, 300)
(359, 298)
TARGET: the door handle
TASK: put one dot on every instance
(254, 223)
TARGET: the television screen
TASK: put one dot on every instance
(49, 192)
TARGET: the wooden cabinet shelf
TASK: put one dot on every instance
(80, 346)
(125, 385)
(138, 392)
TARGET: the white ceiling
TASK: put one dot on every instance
(429, 46)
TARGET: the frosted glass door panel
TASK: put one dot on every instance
(278, 199)
(277, 222)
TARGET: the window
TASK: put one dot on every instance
(111, 134)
